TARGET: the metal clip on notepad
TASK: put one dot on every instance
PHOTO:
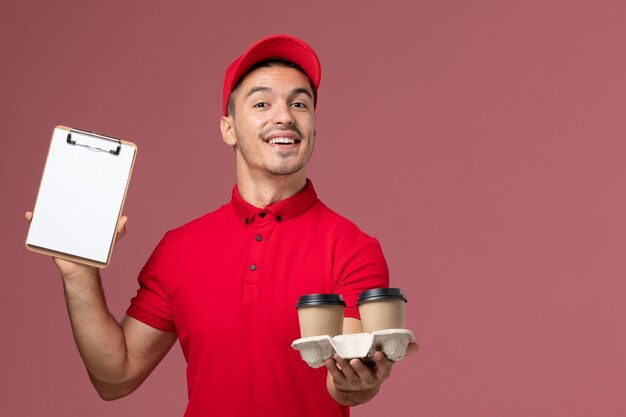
(114, 149)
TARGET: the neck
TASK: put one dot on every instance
(264, 190)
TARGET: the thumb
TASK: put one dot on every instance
(121, 227)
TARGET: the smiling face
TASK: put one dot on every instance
(273, 124)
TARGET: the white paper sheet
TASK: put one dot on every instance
(80, 197)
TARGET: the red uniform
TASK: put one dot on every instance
(227, 284)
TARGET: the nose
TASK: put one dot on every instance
(283, 114)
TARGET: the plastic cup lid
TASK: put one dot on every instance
(311, 300)
(381, 294)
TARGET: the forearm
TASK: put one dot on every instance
(99, 338)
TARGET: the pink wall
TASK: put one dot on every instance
(482, 142)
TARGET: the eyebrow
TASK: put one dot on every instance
(256, 90)
(303, 91)
(295, 91)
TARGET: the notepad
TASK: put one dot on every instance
(81, 196)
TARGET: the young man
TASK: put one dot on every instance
(226, 284)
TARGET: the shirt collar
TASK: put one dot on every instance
(280, 211)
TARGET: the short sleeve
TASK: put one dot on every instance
(151, 305)
(362, 268)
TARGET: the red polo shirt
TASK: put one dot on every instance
(227, 284)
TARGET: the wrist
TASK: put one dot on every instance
(355, 397)
(83, 279)
(72, 271)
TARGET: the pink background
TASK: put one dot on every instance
(483, 143)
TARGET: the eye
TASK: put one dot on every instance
(299, 105)
(261, 104)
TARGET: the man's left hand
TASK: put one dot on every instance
(356, 382)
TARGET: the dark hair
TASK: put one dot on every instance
(230, 108)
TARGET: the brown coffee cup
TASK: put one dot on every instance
(320, 314)
(382, 308)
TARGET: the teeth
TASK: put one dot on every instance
(282, 140)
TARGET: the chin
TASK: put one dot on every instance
(285, 170)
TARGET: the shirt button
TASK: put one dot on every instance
(262, 214)
(278, 218)
(259, 238)
(253, 267)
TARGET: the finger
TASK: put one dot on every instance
(351, 376)
(411, 348)
(338, 377)
(28, 216)
(366, 375)
(383, 365)
(121, 226)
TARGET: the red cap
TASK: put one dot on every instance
(283, 47)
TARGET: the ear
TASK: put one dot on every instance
(227, 126)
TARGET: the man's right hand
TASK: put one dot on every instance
(70, 268)
(117, 357)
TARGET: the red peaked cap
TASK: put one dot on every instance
(283, 47)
